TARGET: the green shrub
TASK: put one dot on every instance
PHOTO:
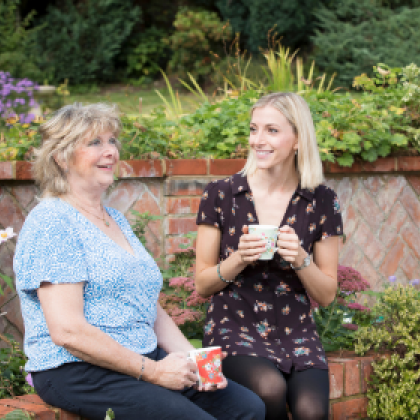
(198, 33)
(354, 35)
(80, 41)
(16, 54)
(147, 56)
(395, 383)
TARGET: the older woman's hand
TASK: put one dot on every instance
(176, 371)
(251, 246)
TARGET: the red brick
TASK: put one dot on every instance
(409, 163)
(350, 255)
(226, 166)
(32, 398)
(124, 195)
(65, 415)
(186, 186)
(6, 170)
(336, 374)
(368, 208)
(381, 165)
(346, 189)
(24, 194)
(415, 183)
(366, 371)
(373, 184)
(390, 192)
(23, 170)
(10, 213)
(350, 221)
(393, 258)
(352, 378)
(41, 411)
(335, 168)
(410, 265)
(392, 225)
(5, 410)
(186, 167)
(353, 409)
(186, 205)
(181, 226)
(151, 168)
(412, 204)
(411, 236)
(367, 241)
(368, 271)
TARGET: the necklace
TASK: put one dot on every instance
(94, 215)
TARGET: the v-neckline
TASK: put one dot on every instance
(282, 222)
(134, 254)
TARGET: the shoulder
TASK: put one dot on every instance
(324, 193)
(219, 187)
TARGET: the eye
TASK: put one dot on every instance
(94, 142)
(252, 129)
(113, 140)
(273, 130)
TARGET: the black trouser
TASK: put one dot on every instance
(89, 390)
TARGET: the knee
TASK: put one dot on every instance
(254, 406)
(310, 410)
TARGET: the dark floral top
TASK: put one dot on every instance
(266, 311)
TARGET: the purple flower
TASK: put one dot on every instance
(28, 379)
(392, 279)
(414, 282)
(353, 327)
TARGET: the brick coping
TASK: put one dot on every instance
(349, 378)
(159, 168)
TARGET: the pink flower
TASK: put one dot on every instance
(28, 379)
(357, 306)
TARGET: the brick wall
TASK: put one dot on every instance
(348, 386)
(380, 203)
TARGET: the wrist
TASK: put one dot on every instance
(151, 373)
(301, 264)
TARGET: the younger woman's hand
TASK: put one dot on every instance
(288, 243)
(251, 246)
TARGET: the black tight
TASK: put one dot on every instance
(306, 392)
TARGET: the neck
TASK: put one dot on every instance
(89, 200)
(276, 179)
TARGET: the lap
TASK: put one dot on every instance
(89, 390)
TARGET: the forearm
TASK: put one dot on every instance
(208, 281)
(319, 285)
(91, 345)
(169, 336)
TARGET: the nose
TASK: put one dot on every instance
(111, 150)
(257, 138)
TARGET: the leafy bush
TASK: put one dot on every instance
(337, 323)
(16, 54)
(355, 35)
(198, 33)
(147, 56)
(80, 41)
(395, 382)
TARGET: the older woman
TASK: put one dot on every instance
(95, 335)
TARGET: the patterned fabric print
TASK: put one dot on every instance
(57, 244)
(266, 311)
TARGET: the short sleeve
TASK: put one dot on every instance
(330, 219)
(48, 250)
(209, 209)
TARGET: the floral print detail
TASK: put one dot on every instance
(301, 351)
(336, 206)
(263, 328)
(247, 337)
(250, 217)
(262, 306)
(211, 307)
(286, 310)
(208, 328)
(282, 289)
(258, 287)
(325, 235)
(288, 340)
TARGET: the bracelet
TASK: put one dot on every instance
(142, 368)
(221, 277)
(306, 262)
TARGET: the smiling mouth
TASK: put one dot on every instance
(105, 166)
(263, 152)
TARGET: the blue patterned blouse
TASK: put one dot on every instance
(57, 244)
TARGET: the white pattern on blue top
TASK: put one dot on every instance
(57, 244)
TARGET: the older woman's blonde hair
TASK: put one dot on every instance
(297, 112)
(61, 134)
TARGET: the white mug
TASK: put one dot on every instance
(269, 233)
